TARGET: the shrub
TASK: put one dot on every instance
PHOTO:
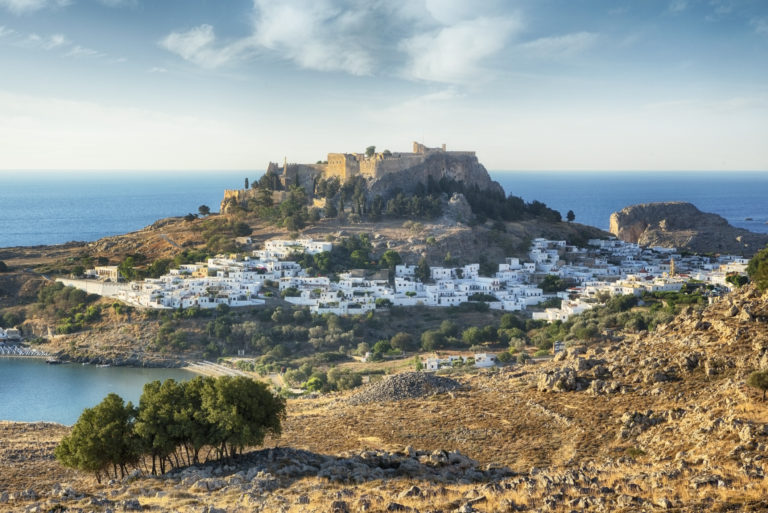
(759, 380)
(757, 269)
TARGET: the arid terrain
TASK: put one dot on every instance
(653, 421)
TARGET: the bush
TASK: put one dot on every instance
(757, 269)
(403, 342)
(737, 280)
(759, 380)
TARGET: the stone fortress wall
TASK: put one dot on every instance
(348, 165)
(380, 167)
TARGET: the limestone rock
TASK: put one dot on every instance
(683, 226)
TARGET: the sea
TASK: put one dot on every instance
(32, 390)
(740, 197)
(54, 208)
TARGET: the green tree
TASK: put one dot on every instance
(264, 198)
(759, 380)
(390, 259)
(431, 340)
(472, 336)
(242, 412)
(570, 216)
(370, 151)
(159, 267)
(402, 341)
(196, 429)
(422, 270)
(247, 185)
(158, 424)
(330, 209)
(344, 379)
(204, 210)
(757, 269)
(127, 269)
(101, 438)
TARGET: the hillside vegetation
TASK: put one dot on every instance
(657, 420)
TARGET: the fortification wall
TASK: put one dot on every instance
(397, 164)
(342, 165)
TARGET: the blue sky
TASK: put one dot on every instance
(528, 84)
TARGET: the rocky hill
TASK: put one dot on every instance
(647, 422)
(683, 226)
(464, 168)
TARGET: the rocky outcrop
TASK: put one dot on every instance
(683, 226)
(459, 167)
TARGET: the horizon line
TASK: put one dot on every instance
(252, 170)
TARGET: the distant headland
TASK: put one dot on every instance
(683, 226)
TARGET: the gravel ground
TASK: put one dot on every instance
(408, 385)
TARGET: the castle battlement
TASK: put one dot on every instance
(346, 166)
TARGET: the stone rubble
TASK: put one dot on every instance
(407, 385)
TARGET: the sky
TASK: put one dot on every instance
(528, 84)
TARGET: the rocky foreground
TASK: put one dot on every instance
(653, 421)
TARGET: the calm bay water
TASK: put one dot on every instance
(32, 390)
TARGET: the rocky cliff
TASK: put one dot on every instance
(683, 226)
(459, 167)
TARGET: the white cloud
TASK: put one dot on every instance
(320, 35)
(119, 3)
(81, 51)
(4, 32)
(454, 54)
(55, 42)
(157, 69)
(450, 12)
(24, 6)
(676, 6)
(760, 25)
(557, 46)
(360, 37)
(51, 42)
(198, 45)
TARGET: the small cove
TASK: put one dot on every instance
(31, 390)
